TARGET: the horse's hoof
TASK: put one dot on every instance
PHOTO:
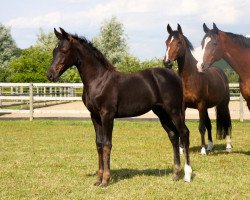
(103, 185)
(97, 183)
(203, 151)
(210, 146)
(229, 150)
(175, 177)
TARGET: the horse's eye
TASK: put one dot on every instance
(215, 43)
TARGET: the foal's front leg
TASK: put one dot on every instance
(99, 147)
(107, 128)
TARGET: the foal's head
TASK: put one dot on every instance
(63, 55)
(176, 45)
(211, 46)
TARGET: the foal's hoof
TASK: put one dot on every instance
(175, 177)
(97, 183)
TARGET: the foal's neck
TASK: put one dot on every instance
(90, 69)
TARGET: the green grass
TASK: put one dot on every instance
(58, 160)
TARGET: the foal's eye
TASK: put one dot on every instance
(215, 43)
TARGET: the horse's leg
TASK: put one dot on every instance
(202, 128)
(178, 120)
(209, 132)
(99, 147)
(107, 128)
(181, 142)
(173, 135)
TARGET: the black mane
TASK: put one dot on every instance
(96, 52)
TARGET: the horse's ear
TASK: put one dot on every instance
(65, 35)
(215, 28)
(205, 28)
(179, 29)
(169, 29)
(58, 35)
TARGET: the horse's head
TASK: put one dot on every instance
(211, 46)
(63, 55)
(175, 45)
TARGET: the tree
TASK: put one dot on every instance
(31, 66)
(8, 51)
(111, 41)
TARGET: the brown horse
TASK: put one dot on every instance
(233, 48)
(202, 90)
(110, 94)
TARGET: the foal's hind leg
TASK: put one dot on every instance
(173, 135)
(209, 132)
(178, 120)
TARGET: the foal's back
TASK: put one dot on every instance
(140, 92)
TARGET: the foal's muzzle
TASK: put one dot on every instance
(168, 64)
(52, 76)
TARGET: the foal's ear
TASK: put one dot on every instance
(58, 35)
(205, 28)
(65, 35)
(169, 29)
(179, 29)
(215, 28)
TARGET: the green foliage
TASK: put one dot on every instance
(111, 41)
(31, 66)
(46, 41)
(8, 51)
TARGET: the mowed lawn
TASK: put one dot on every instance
(58, 160)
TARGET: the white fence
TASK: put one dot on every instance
(31, 93)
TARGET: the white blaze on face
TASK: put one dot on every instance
(200, 58)
(166, 57)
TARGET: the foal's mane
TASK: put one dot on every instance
(93, 50)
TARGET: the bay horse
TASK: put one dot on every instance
(233, 48)
(202, 90)
(110, 94)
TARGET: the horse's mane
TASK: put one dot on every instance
(244, 41)
(96, 52)
(188, 43)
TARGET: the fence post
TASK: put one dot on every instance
(241, 108)
(0, 95)
(31, 101)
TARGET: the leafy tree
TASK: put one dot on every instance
(112, 42)
(31, 66)
(8, 51)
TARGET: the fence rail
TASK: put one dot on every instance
(30, 93)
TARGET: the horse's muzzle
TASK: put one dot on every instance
(52, 76)
(205, 66)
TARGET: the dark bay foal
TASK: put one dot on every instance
(110, 94)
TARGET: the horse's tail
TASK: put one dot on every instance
(223, 119)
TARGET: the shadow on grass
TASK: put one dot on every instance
(123, 174)
(218, 149)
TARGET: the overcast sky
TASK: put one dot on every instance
(144, 21)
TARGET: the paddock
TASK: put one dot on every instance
(56, 159)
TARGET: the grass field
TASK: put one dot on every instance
(58, 160)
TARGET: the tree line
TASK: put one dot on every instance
(31, 64)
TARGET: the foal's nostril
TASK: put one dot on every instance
(50, 76)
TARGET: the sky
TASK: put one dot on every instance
(144, 21)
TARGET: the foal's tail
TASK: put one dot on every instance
(223, 119)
